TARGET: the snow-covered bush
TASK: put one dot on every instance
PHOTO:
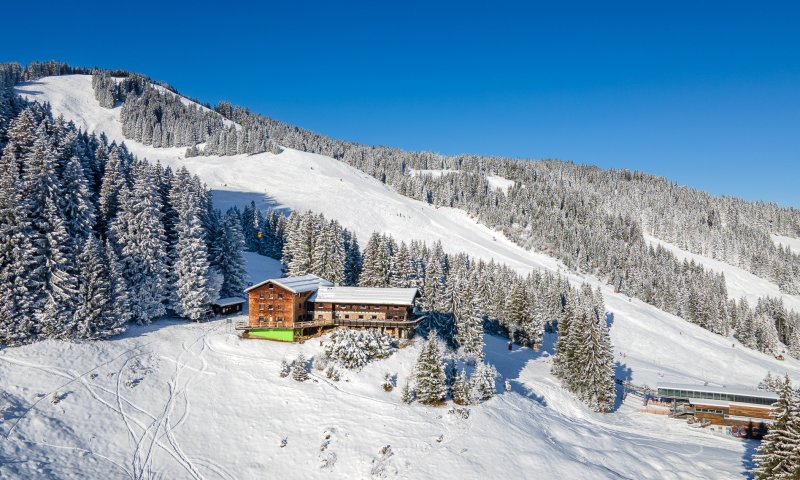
(320, 362)
(387, 384)
(482, 382)
(286, 369)
(300, 369)
(355, 348)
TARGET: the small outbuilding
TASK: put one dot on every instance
(226, 306)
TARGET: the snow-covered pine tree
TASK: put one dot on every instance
(76, 202)
(352, 263)
(406, 395)
(595, 382)
(462, 391)
(429, 373)
(299, 368)
(482, 382)
(121, 307)
(95, 316)
(376, 264)
(232, 264)
(777, 455)
(115, 178)
(468, 320)
(138, 234)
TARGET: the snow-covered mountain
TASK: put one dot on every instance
(183, 400)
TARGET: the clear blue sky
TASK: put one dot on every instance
(705, 93)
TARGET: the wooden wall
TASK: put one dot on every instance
(380, 312)
(286, 307)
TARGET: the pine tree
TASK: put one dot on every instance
(406, 395)
(376, 263)
(76, 203)
(300, 369)
(595, 384)
(431, 381)
(138, 234)
(232, 265)
(462, 391)
(778, 453)
(94, 316)
(482, 382)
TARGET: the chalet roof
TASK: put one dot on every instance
(364, 295)
(226, 302)
(304, 283)
(711, 389)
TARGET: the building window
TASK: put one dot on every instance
(270, 286)
(280, 308)
(261, 307)
(363, 307)
(394, 318)
(261, 295)
(270, 307)
(373, 317)
(376, 307)
(396, 307)
(260, 319)
(270, 295)
(280, 296)
(319, 317)
(342, 305)
(347, 317)
(280, 319)
(361, 317)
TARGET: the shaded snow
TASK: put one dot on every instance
(236, 410)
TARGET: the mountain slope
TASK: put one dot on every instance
(301, 181)
(184, 400)
(190, 365)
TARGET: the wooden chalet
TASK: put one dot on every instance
(295, 308)
(744, 413)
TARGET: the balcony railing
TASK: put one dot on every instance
(345, 322)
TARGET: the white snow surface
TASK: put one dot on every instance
(791, 242)
(739, 281)
(498, 182)
(177, 399)
(214, 397)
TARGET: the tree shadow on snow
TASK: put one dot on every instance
(750, 447)
(622, 373)
(225, 199)
(510, 363)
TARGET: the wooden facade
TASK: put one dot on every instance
(274, 306)
(288, 309)
(745, 414)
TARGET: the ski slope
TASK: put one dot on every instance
(791, 242)
(516, 429)
(740, 282)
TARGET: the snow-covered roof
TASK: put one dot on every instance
(226, 302)
(712, 389)
(304, 283)
(364, 295)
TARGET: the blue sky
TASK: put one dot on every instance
(705, 93)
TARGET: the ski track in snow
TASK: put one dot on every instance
(232, 416)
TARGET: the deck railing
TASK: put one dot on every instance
(377, 323)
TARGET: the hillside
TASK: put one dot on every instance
(538, 418)
(187, 400)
